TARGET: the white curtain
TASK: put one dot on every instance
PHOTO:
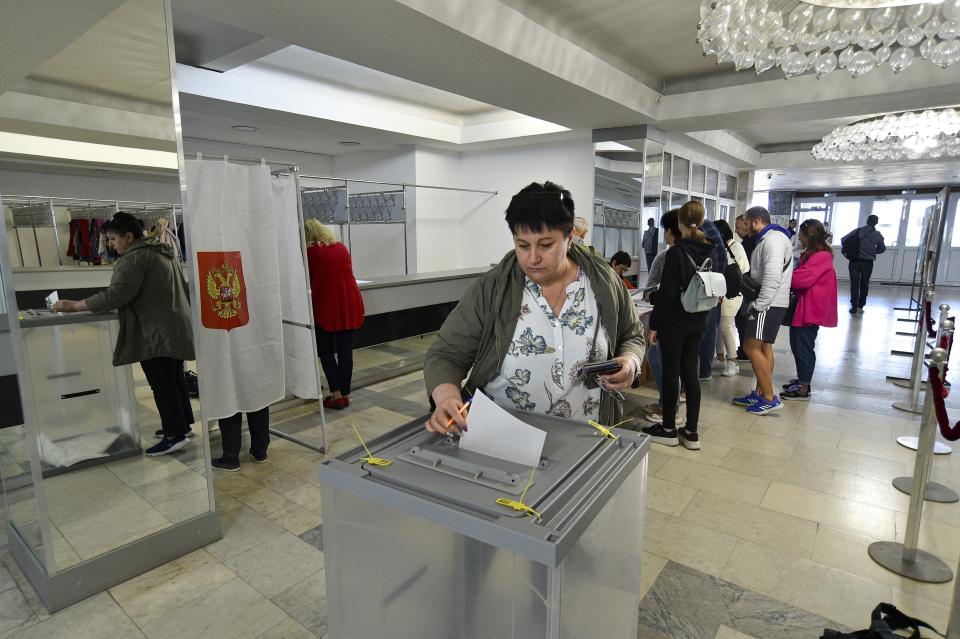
(233, 208)
(299, 356)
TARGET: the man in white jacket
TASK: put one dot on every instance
(771, 264)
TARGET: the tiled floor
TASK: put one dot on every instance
(762, 533)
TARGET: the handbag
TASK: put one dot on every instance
(791, 310)
(732, 276)
(705, 288)
(884, 620)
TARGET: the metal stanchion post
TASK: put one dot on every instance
(916, 369)
(904, 382)
(903, 484)
(907, 559)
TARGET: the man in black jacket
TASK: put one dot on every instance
(861, 267)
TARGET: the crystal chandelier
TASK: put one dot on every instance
(825, 35)
(911, 135)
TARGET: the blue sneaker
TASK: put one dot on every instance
(762, 407)
(749, 399)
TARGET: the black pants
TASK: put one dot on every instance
(336, 358)
(231, 434)
(165, 376)
(740, 321)
(860, 272)
(681, 357)
(650, 257)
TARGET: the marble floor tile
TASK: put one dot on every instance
(943, 540)
(163, 489)
(306, 602)
(314, 537)
(847, 551)
(300, 520)
(934, 613)
(875, 492)
(845, 514)
(275, 565)
(712, 453)
(82, 494)
(185, 506)
(668, 497)
(235, 484)
(306, 495)
(773, 468)
(714, 480)
(753, 523)
(113, 528)
(650, 571)
(15, 611)
(243, 529)
(656, 459)
(685, 603)
(850, 462)
(268, 503)
(162, 590)
(233, 610)
(96, 618)
(839, 596)
(729, 633)
(749, 440)
(687, 543)
(289, 628)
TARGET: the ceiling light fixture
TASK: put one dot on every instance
(910, 135)
(824, 35)
(246, 128)
(349, 143)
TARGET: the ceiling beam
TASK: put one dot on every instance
(34, 32)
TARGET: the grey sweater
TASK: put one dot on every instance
(771, 264)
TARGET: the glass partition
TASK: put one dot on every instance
(845, 216)
(917, 211)
(78, 450)
(890, 215)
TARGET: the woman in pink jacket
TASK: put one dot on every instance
(815, 286)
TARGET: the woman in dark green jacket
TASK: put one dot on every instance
(526, 329)
(149, 293)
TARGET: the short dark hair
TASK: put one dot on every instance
(538, 206)
(725, 231)
(651, 222)
(621, 257)
(671, 222)
(758, 213)
(123, 223)
(872, 220)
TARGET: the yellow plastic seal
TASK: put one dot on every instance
(605, 431)
(370, 459)
(517, 504)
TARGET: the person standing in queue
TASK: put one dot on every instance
(730, 307)
(650, 242)
(678, 331)
(772, 266)
(814, 283)
(337, 309)
(149, 292)
(525, 330)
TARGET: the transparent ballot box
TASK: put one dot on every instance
(420, 548)
(86, 410)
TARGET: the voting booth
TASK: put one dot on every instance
(426, 540)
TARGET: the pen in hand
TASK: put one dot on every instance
(460, 412)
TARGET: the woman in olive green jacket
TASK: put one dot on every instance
(149, 293)
(525, 330)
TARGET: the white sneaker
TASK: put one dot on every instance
(731, 369)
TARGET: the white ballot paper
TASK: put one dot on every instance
(494, 432)
(52, 299)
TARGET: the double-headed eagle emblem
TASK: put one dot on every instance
(224, 288)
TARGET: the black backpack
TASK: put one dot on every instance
(733, 276)
(884, 621)
(850, 247)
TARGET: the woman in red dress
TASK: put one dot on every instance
(337, 309)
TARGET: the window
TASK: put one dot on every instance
(711, 208)
(666, 169)
(699, 177)
(816, 210)
(713, 180)
(915, 219)
(760, 198)
(889, 212)
(677, 200)
(681, 173)
(728, 186)
(845, 218)
(723, 212)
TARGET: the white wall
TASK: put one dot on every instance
(484, 236)
(439, 213)
(309, 163)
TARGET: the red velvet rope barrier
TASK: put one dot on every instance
(950, 433)
(928, 311)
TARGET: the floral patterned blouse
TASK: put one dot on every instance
(541, 370)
